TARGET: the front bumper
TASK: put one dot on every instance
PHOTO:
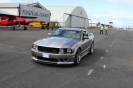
(51, 58)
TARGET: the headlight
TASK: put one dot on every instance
(65, 51)
(69, 51)
(61, 51)
(34, 46)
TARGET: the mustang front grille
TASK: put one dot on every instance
(47, 59)
(48, 49)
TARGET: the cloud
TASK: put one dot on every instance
(73, 0)
(117, 21)
(105, 18)
(15, 1)
(119, 1)
(5, 1)
(96, 16)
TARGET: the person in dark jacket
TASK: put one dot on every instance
(48, 26)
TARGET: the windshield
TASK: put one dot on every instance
(67, 33)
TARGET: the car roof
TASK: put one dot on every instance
(72, 29)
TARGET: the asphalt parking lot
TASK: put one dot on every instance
(110, 66)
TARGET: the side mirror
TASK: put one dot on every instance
(86, 37)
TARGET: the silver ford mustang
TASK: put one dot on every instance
(63, 46)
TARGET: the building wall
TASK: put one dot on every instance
(27, 11)
(12, 11)
(93, 25)
(41, 14)
(57, 14)
(73, 21)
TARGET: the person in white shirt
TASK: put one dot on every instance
(86, 29)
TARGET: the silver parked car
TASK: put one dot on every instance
(63, 46)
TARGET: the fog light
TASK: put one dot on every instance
(71, 56)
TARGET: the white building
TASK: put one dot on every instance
(29, 11)
(69, 16)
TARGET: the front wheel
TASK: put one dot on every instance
(77, 57)
(13, 28)
(42, 27)
(91, 48)
(25, 28)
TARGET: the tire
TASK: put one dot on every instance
(13, 28)
(25, 28)
(92, 48)
(42, 27)
(77, 59)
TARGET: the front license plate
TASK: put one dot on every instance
(45, 55)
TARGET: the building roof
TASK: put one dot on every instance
(38, 5)
(9, 4)
(60, 13)
(57, 12)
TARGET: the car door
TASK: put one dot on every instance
(89, 40)
(85, 44)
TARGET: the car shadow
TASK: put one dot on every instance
(93, 58)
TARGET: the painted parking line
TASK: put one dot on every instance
(107, 50)
(114, 42)
(116, 39)
(89, 73)
(104, 66)
(101, 58)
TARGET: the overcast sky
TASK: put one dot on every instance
(120, 12)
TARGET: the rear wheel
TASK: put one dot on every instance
(77, 57)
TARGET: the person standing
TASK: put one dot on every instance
(48, 26)
(52, 26)
(86, 29)
(106, 30)
(101, 30)
(56, 25)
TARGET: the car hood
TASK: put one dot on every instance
(57, 42)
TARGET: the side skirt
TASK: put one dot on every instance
(85, 52)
